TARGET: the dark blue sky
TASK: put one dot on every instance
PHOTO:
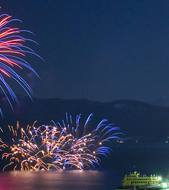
(99, 49)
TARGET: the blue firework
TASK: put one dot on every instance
(13, 52)
(70, 144)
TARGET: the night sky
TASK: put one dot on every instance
(99, 49)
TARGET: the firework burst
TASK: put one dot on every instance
(13, 50)
(69, 144)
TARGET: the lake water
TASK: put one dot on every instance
(66, 180)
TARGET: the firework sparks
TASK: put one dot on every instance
(64, 145)
(13, 50)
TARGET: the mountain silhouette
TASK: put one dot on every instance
(138, 120)
(146, 128)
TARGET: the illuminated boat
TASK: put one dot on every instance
(136, 181)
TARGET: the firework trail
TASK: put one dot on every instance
(13, 50)
(26, 149)
(69, 144)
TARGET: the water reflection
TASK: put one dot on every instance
(66, 180)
